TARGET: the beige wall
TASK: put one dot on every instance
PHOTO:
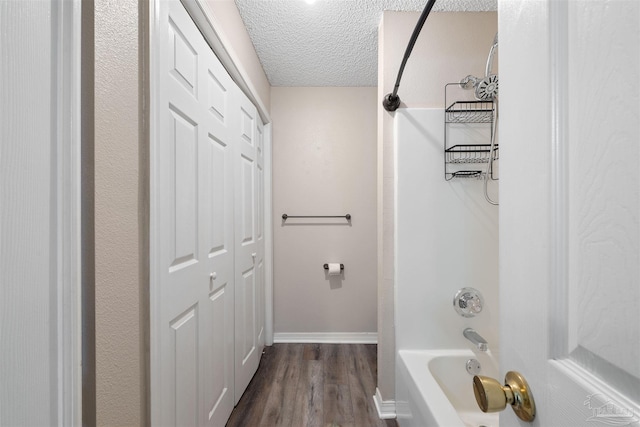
(451, 45)
(230, 28)
(324, 163)
(120, 222)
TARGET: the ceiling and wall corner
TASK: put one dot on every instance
(330, 42)
(230, 28)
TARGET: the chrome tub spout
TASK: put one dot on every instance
(475, 338)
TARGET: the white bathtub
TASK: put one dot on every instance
(434, 389)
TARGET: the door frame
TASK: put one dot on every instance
(66, 66)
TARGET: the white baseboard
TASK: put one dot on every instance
(386, 408)
(326, 337)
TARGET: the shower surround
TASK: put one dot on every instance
(446, 238)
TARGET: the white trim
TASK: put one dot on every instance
(386, 408)
(207, 24)
(268, 235)
(155, 323)
(326, 337)
(559, 258)
(66, 21)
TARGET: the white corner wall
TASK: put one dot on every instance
(446, 238)
(324, 163)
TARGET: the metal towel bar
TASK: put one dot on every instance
(347, 216)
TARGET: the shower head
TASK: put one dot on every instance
(486, 89)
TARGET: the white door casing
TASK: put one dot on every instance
(192, 226)
(40, 334)
(569, 211)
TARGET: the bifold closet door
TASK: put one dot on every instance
(192, 191)
(249, 245)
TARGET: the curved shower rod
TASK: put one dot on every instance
(391, 101)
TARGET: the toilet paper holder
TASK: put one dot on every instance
(326, 267)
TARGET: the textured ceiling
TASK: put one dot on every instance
(330, 42)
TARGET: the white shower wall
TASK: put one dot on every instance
(446, 238)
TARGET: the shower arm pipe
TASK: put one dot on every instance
(391, 101)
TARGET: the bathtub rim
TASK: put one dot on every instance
(416, 364)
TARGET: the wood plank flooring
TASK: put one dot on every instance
(312, 385)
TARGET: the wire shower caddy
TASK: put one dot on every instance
(461, 158)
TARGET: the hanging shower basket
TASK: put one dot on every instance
(468, 124)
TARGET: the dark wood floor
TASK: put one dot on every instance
(312, 385)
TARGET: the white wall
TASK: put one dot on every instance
(446, 239)
(324, 163)
(451, 45)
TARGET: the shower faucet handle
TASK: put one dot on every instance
(468, 302)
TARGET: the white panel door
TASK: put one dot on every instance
(249, 265)
(192, 189)
(217, 210)
(570, 208)
(40, 354)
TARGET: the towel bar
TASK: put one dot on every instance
(347, 216)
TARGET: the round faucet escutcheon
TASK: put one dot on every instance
(468, 302)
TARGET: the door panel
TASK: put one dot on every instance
(246, 212)
(260, 238)
(183, 59)
(192, 187)
(218, 389)
(185, 368)
(568, 297)
(247, 321)
(603, 188)
(248, 254)
(183, 138)
(260, 312)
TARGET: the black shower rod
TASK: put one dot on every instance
(391, 101)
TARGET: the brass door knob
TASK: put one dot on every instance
(493, 397)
